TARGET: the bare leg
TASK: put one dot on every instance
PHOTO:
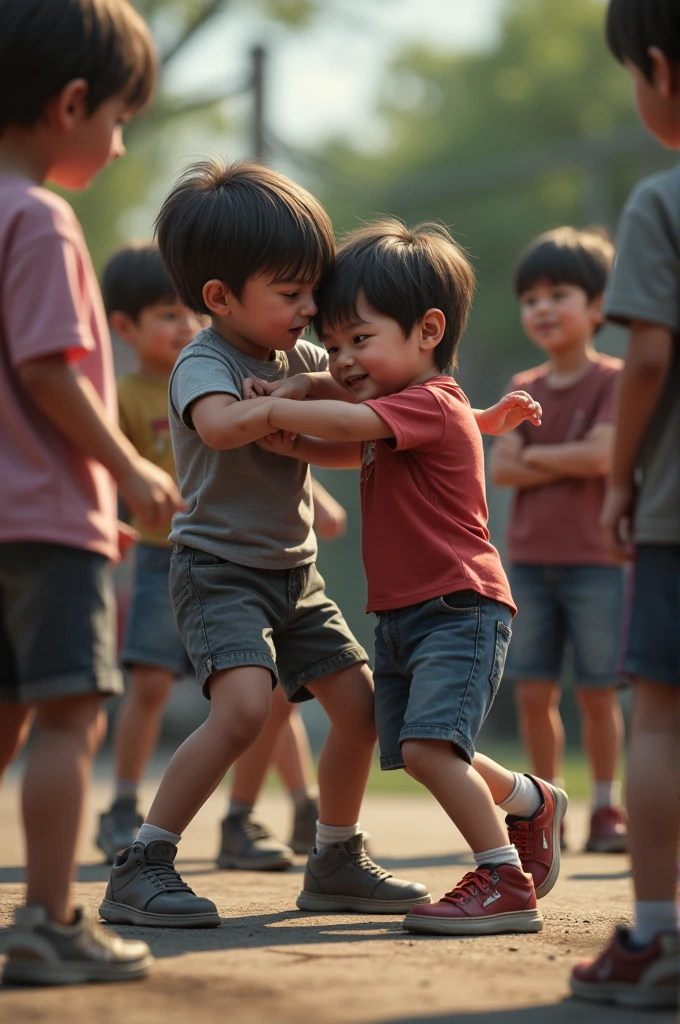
(240, 699)
(602, 731)
(500, 781)
(459, 788)
(540, 723)
(653, 789)
(293, 755)
(15, 725)
(139, 720)
(251, 768)
(345, 761)
(59, 764)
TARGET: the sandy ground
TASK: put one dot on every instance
(270, 962)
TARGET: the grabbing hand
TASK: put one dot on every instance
(507, 414)
(616, 522)
(297, 387)
(281, 442)
(150, 493)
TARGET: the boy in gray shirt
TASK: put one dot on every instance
(248, 247)
(641, 518)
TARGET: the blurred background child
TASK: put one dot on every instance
(568, 587)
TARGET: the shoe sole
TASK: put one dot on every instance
(119, 913)
(494, 924)
(27, 972)
(606, 846)
(355, 904)
(649, 999)
(277, 862)
(561, 805)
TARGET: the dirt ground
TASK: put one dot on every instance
(270, 962)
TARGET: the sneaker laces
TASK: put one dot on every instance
(469, 885)
(164, 876)
(364, 863)
(253, 830)
(521, 835)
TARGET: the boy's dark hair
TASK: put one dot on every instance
(567, 256)
(44, 44)
(229, 221)
(134, 279)
(401, 273)
(634, 25)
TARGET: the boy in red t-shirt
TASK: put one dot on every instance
(390, 318)
(568, 587)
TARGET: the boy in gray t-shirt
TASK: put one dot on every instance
(248, 247)
(641, 518)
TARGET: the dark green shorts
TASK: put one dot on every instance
(231, 615)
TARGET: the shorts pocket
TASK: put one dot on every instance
(204, 560)
(503, 635)
(460, 602)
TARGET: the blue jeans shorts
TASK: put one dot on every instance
(151, 635)
(567, 606)
(438, 666)
(651, 648)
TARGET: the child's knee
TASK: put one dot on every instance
(656, 708)
(81, 718)
(150, 689)
(417, 755)
(536, 698)
(597, 703)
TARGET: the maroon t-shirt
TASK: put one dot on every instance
(558, 524)
(423, 504)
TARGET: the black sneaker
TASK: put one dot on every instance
(303, 837)
(118, 827)
(145, 889)
(247, 846)
(344, 878)
(40, 952)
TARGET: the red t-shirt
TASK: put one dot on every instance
(559, 524)
(423, 502)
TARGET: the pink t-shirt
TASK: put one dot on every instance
(423, 502)
(50, 303)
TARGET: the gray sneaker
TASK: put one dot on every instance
(247, 846)
(145, 889)
(303, 836)
(40, 952)
(344, 878)
(118, 827)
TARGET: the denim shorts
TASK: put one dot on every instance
(438, 666)
(57, 623)
(651, 647)
(151, 635)
(232, 615)
(561, 607)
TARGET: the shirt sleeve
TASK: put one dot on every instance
(414, 416)
(605, 408)
(198, 374)
(645, 284)
(45, 305)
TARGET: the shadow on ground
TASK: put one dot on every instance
(570, 1011)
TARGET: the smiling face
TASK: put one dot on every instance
(559, 317)
(371, 357)
(159, 334)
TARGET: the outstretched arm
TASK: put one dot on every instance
(507, 414)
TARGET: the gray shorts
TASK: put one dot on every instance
(151, 636)
(57, 623)
(232, 615)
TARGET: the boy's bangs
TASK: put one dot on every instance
(557, 265)
(297, 250)
(132, 62)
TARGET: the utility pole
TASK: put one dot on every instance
(258, 58)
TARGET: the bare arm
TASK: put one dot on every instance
(74, 408)
(330, 518)
(329, 420)
(589, 457)
(319, 384)
(508, 470)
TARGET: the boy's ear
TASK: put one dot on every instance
(596, 306)
(217, 297)
(123, 325)
(664, 73)
(69, 107)
(432, 327)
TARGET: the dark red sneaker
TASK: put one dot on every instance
(608, 831)
(538, 838)
(644, 978)
(487, 901)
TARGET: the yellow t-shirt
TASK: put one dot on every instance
(143, 413)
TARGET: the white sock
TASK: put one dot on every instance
(153, 834)
(651, 918)
(326, 835)
(606, 794)
(525, 798)
(501, 855)
(557, 782)
(126, 789)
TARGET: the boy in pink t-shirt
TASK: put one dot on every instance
(569, 589)
(70, 76)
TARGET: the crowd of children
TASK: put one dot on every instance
(216, 438)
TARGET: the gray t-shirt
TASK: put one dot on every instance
(246, 505)
(645, 285)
